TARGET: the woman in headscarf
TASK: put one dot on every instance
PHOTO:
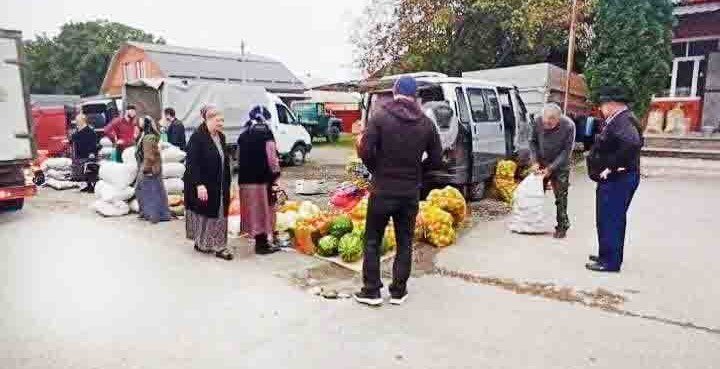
(85, 148)
(149, 187)
(207, 186)
(258, 170)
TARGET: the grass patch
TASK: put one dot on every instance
(346, 140)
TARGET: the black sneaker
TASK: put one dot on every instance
(371, 299)
(397, 299)
(560, 234)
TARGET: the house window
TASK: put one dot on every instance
(140, 69)
(688, 70)
(128, 72)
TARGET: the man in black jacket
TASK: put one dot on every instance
(175, 130)
(615, 164)
(392, 146)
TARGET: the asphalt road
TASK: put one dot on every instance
(79, 291)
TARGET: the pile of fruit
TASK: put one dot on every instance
(451, 200)
(357, 173)
(341, 234)
(177, 205)
(504, 181)
(436, 225)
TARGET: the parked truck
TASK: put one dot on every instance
(17, 146)
(539, 84)
(187, 97)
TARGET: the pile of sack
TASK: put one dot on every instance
(58, 174)
(107, 150)
(172, 168)
(114, 190)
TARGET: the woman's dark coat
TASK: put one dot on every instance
(203, 167)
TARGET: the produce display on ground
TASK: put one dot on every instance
(338, 235)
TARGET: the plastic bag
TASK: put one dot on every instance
(105, 142)
(234, 225)
(134, 205)
(528, 215)
(346, 197)
(120, 175)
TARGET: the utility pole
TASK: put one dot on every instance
(242, 60)
(571, 55)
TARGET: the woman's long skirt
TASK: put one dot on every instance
(257, 215)
(209, 234)
(152, 198)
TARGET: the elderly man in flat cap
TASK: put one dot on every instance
(614, 163)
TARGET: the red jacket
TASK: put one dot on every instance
(121, 129)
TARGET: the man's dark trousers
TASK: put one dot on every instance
(402, 210)
(612, 203)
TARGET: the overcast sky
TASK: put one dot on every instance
(308, 36)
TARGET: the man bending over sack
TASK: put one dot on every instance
(551, 145)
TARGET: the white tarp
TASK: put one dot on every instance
(187, 97)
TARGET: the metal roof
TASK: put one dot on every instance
(697, 8)
(54, 100)
(183, 62)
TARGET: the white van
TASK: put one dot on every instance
(483, 123)
(187, 97)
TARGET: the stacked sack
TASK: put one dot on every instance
(173, 168)
(106, 149)
(173, 171)
(58, 173)
(114, 190)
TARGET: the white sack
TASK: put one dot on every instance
(172, 155)
(165, 145)
(56, 163)
(120, 175)
(173, 170)
(174, 186)
(106, 152)
(109, 193)
(60, 175)
(134, 206)
(128, 156)
(111, 209)
(105, 142)
(61, 185)
(528, 214)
